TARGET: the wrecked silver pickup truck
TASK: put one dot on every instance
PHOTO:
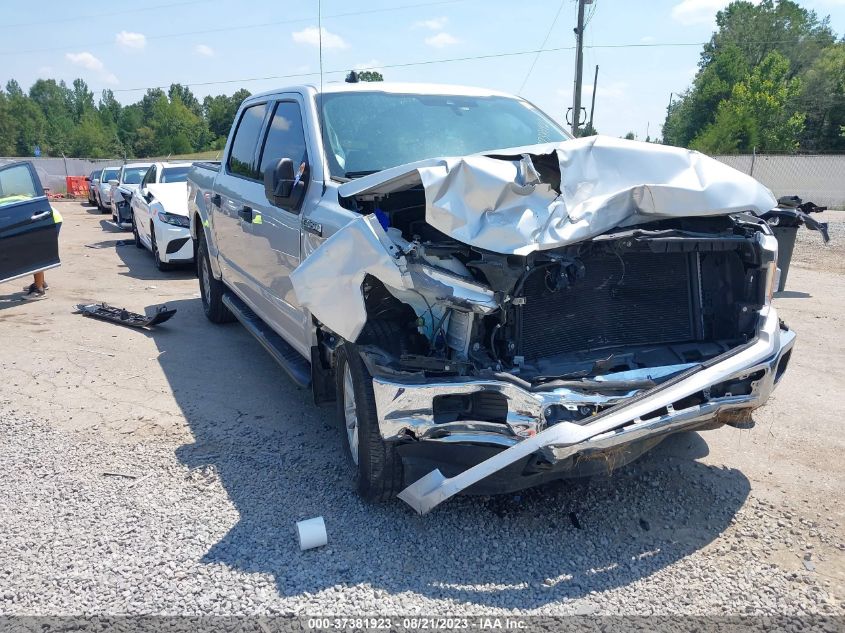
(525, 308)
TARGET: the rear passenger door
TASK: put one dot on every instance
(274, 234)
(236, 187)
(29, 236)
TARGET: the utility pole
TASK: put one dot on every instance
(579, 67)
(593, 104)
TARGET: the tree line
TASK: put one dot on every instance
(60, 119)
(771, 78)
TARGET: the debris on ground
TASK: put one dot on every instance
(311, 533)
(122, 316)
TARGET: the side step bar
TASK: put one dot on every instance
(288, 358)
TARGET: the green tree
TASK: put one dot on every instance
(630, 136)
(758, 29)
(823, 99)
(759, 113)
(90, 138)
(8, 127)
(56, 103)
(31, 125)
(370, 75)
(747, 33)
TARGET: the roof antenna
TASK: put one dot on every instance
(323, 138)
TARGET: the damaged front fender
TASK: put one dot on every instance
(328, 282)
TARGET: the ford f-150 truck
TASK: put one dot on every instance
(491, 303)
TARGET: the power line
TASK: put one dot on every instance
(542, 46)
(427, 62)
(225, 29)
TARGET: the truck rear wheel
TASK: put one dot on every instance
(378, 467)
(211, 289)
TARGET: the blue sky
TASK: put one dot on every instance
(144, 43)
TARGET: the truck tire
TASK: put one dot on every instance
(378, 467)
(211, 289)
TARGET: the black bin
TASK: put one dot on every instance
(786, 244)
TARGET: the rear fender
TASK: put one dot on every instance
(199, 205)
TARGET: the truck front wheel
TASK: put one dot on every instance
(378, 467)
(211, 289)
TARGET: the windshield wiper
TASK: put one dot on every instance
(358, 174)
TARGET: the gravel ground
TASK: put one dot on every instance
(163, 472)
(208, 530)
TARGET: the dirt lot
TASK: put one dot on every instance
(163, 471)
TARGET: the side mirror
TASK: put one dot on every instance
(285, 188)
(113, 182)
(87, 179)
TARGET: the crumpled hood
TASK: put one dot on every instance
(173, 196)
(516, 201)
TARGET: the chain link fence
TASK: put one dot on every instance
(815, 178)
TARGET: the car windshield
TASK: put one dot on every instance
(175, 174)
(134, 175)
(109, 174)
(371, 131)
(94, 175)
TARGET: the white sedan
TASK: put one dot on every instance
(160, 215)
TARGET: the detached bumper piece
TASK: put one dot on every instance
(121, 316)
(534, 442)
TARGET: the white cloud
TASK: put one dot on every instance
(90, 62)
(434, 24)
(690, 12)
(127, 39)
(441, 40)
(373, 64)
(84, 59)
(46, 70)
(204, 49)
(648, 39)
(311, 35)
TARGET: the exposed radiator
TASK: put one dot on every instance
(635, 299)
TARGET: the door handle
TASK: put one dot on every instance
(216, 200)
(246, 214)
(40, 216)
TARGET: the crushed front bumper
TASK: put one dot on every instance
(695, 397)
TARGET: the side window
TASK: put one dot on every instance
(242, 156)
(16, 184)
(285, 138)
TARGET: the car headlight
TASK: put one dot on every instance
(173, 219)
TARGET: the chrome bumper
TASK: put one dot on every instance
(406, 407)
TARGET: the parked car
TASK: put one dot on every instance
(491, 303)
(93, 180)
(29, 228)
(122, 188)
(103, 189)
(159, 211)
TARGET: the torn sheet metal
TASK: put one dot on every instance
(503, 204)
(328, 282)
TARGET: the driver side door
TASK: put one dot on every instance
(29, 235)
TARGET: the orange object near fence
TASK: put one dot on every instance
(77, 186)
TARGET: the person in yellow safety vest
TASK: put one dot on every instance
(38, 288)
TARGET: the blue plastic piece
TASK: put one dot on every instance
(383, 218)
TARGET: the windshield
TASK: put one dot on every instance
(371, 131)
(175, 174)
(109, 174)
(134, 175)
